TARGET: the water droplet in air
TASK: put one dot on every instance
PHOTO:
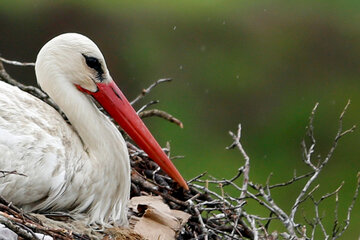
(174, 28)
(181, 67)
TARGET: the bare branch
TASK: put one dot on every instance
(37, 92)
(203, 228)
(197, 177)
(291, 181)
(310, 133)
(161, 114)
(16, 63)
(246, 170)
(349, 211)
(339, 134)
(318, 219)
(17, 229)
(147, 105)
(147, 90)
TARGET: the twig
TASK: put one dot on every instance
(146, 106)
(16, 63)
(18, 230)
(339, 134)
(318, 219)
(336, 216)
(310, 133)
(197, 177)
(147, 90)
(161, 114)
(198, 215)
(291, 181)
(246, 170)
(37, 92)
(349, 211)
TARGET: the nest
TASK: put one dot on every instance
(146, 179)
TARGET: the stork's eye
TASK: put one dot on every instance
(94, 63)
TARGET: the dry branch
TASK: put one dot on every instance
(147, 90)
(161, 114)
(16, 63)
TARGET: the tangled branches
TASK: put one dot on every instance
(226, 216)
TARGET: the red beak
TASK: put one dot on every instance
(116, 104)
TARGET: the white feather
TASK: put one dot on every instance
(83, 168)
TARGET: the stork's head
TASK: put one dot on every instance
(80, 64)
(76, 58)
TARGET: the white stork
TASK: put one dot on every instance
(82, 168)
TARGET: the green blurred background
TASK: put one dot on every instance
(260, 63)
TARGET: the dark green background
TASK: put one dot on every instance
(260, 63)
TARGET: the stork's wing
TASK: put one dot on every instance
(37, 142)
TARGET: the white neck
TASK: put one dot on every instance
(108, 158)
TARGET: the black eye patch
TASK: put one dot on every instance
(94, 63)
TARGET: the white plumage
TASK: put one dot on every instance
(36, 141)
(82, 168)
(90, 173)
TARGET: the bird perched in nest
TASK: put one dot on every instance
(82, 168)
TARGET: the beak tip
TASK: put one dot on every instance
(183, 184)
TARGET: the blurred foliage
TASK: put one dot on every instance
(261, 63)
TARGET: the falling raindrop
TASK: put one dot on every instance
(203, 48)
(181, 67)
(237, 76)
(174, 28)
(224, 22)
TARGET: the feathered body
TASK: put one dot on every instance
(83, 168)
